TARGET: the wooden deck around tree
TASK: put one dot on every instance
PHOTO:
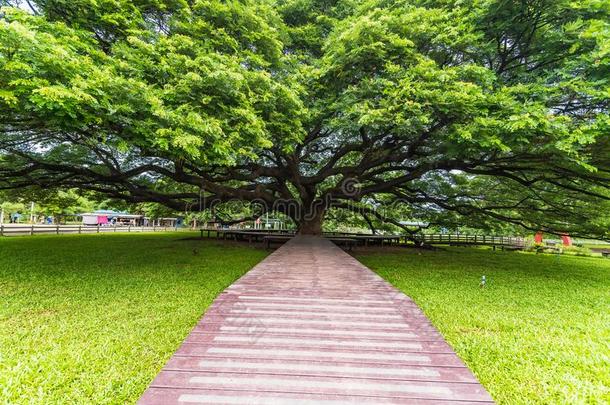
(310, 325)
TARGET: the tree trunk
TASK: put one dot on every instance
(311, 224)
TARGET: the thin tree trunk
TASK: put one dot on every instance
(370, 223)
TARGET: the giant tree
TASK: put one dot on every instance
(475, 110)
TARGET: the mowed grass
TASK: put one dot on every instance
(92, 319)
(538, 333)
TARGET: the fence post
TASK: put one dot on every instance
(80, 230)
(1, 229)
(32, 230)
(98, 228)
(57, 229)
(129, 228)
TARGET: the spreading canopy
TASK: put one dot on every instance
(445, 111)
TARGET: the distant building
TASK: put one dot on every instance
(107, 217)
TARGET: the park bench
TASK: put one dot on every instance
(366, 239)
(603, 252)
(345, 242)
(381, 239)
(269, 239)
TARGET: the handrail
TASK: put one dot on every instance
(471, 239)
(490, 240)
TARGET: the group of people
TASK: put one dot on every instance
(15, 218)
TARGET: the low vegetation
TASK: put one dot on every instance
(538, 332)
(92, 319)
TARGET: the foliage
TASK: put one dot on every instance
(472, 112)
(109, 311)
(58, 203)
(9, 204)
(537, 333)
(54, 203)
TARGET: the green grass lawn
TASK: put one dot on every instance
(92, 319)
(538, 333)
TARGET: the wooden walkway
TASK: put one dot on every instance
(311, 325)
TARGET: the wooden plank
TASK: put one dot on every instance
(310, 324)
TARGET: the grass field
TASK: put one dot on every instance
(538, 333)
(92, 319)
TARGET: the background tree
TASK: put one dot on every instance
(60, 205)
(473, 111)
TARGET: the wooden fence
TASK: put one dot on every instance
(489, 240)
(20, 230)
(430, 239)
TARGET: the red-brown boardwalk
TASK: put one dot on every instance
(310, 325)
